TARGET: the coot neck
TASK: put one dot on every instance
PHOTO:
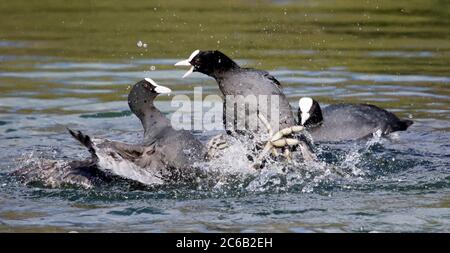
(153, 122)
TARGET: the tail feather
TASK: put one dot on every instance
(83, 139)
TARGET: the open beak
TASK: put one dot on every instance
(183, 63)
(187, 62)
(158, 88)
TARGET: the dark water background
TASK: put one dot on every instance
(71, 63)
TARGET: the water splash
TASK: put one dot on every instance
(232, 173)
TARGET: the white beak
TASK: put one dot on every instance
(158, 88)
(305, 117)
(187, 62)
(183, 63)
(188, 72)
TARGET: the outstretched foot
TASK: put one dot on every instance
(280, 141)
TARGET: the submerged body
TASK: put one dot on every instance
(346, 122)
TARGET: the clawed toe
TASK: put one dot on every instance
(279, 140)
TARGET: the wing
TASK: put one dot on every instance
(127, 151)
(260, 83)
(271, 78)
(130, 161)
(260, 76)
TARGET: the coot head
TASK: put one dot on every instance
(309, 112)
(142, 95)
(207, 62)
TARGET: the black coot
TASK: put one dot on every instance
(342, 122)
(234, 81)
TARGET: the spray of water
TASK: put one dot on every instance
(232, 172)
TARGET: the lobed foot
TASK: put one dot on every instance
(280, 141)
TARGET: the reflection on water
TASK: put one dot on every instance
(74, 67)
